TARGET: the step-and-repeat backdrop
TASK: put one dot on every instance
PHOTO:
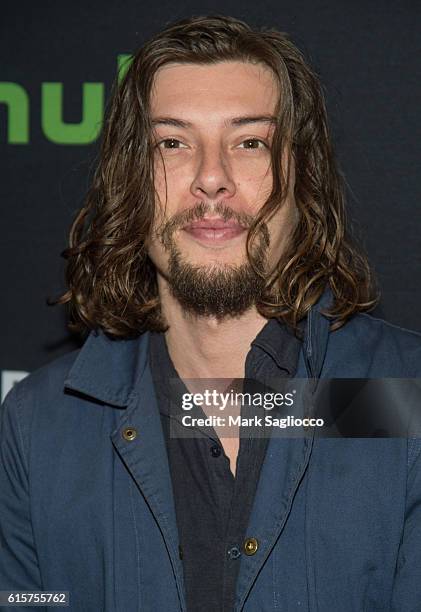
(58, 63)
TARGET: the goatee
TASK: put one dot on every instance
(217, 290)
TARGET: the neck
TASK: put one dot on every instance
(205, 347)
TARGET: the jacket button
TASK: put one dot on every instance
(180, 552)
(250, 546)
(129, 433)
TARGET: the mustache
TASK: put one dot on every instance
(198, 212)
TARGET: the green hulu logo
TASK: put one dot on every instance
(16, 99)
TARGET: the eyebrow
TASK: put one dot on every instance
(234, 121)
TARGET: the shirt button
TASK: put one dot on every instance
(129, 433)
(233, 552)
(215, 451)
(250, 546)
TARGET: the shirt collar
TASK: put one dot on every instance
(275, 348)
(274, 352)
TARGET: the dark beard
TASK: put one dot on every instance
(227, 290)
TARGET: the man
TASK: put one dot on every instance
(212, 246)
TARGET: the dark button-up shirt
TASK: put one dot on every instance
(213, 506)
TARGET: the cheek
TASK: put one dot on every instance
(169, 182)
(256, 183)
(160, 179)
(255, 170)
(157, 254)
(281, 228)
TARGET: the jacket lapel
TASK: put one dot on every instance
(119, 375)
(146, 458)
(284, 466)
(286, 459)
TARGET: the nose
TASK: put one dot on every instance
(213, 175)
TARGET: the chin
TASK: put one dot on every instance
(214, 260)
(202, 253)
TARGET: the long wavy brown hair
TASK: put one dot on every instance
(112, 283)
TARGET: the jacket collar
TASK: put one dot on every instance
(107, 370)
(316, 335)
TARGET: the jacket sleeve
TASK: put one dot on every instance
(19, 570)
(407, 584)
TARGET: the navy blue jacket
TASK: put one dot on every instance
(86, 510)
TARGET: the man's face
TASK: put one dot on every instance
(213, 127)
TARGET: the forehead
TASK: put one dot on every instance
(213, 90)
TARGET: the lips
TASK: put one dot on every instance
(214, 231)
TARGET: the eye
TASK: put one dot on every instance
(253, 143)
(170, 143)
